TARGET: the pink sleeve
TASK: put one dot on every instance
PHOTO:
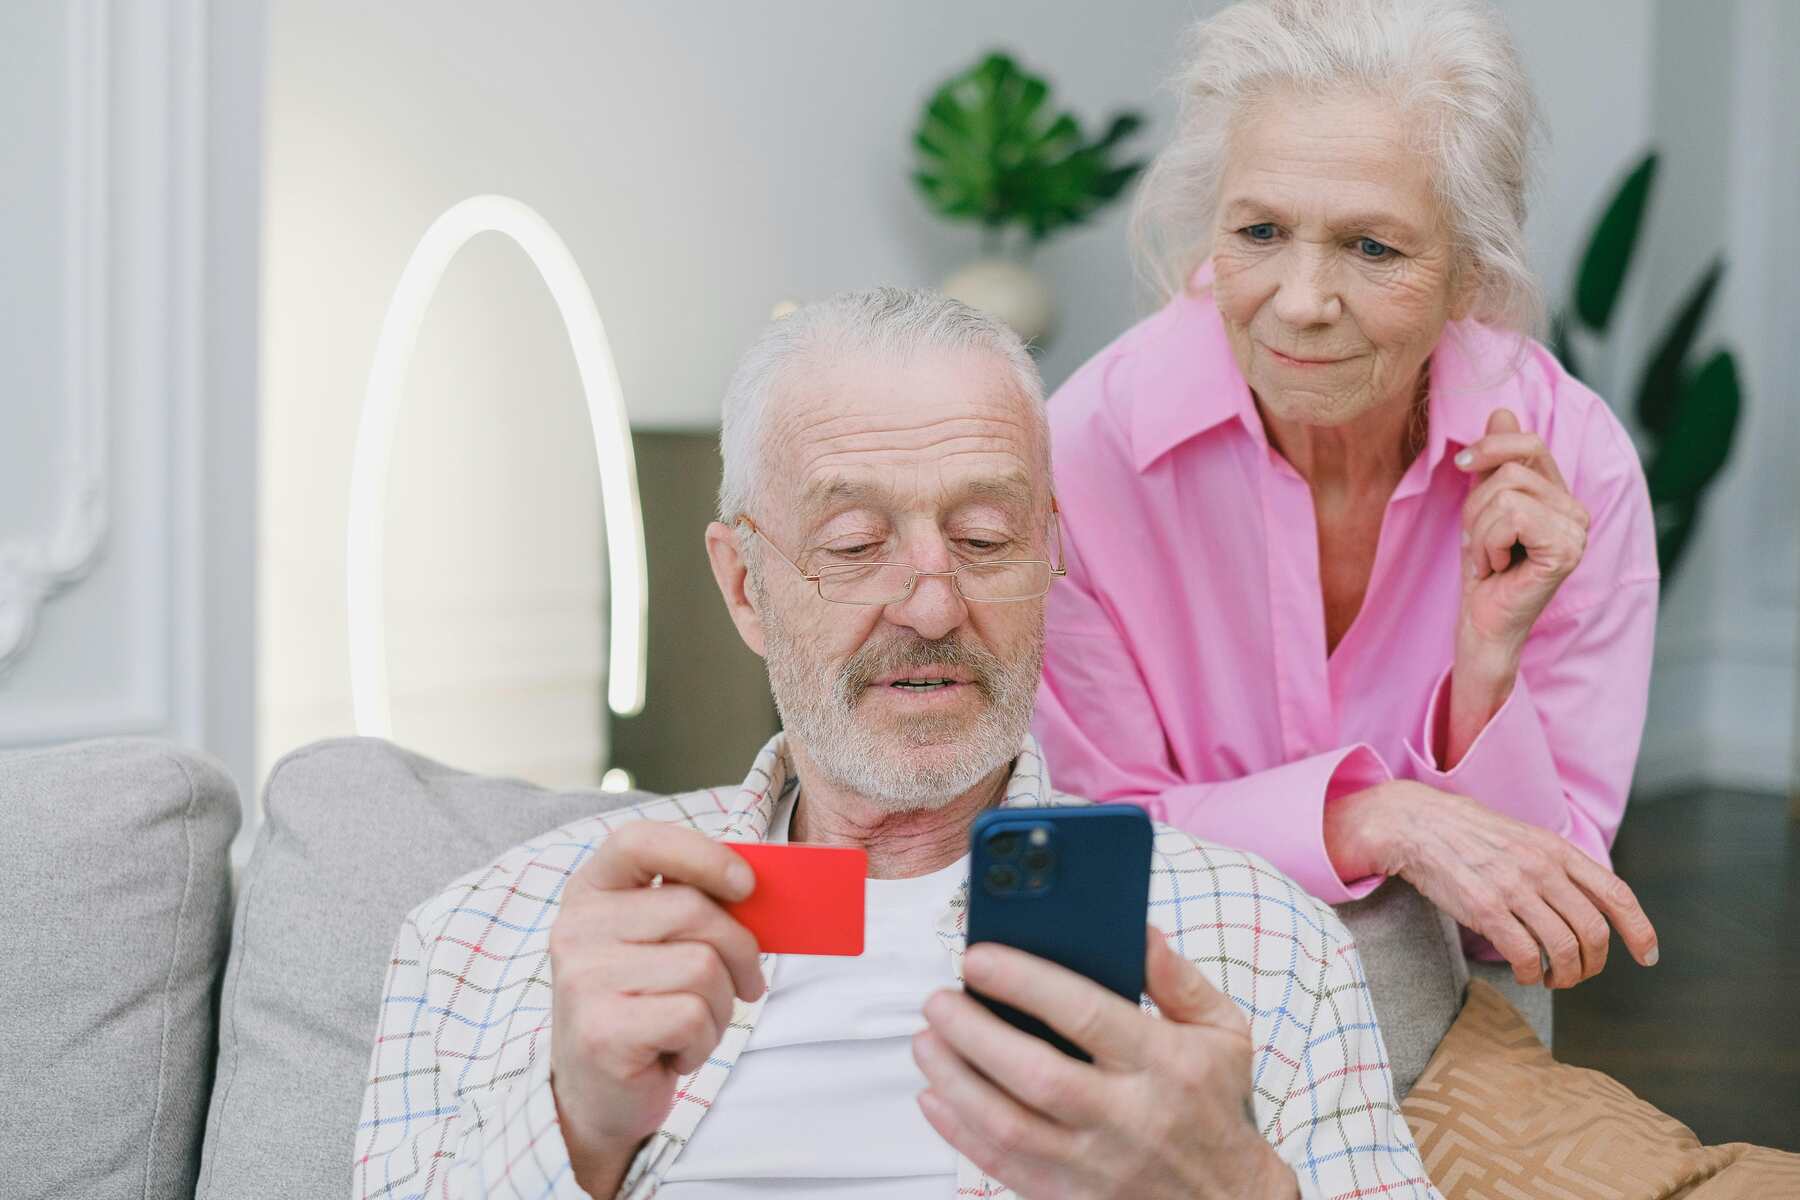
(1559, 753)
(1103, 740)
(1279, 814)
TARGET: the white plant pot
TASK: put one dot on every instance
(1008, 290)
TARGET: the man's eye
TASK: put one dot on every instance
(1370, 248)
(861, 550)
(1261, 232)
(982, 545)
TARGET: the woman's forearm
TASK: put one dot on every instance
(1480, 682)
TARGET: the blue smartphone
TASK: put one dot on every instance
(1068, 884)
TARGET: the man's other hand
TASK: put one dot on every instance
(1162, 1111)
(645, 964)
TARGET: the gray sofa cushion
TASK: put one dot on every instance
(1412, 957)
(115, 896)
(356, 833)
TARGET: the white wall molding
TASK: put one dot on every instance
(129, 609)
(33, 569)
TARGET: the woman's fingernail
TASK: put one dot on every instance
(1650, 958)
(1465, 460)
(1474, 570)
(1465, 537)
(740, 877)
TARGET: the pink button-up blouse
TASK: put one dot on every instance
(1185, 666)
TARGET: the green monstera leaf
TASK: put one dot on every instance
(1664, 377)
(1689, 416)
(989, 150)
(1702, 427)
(1609, 251)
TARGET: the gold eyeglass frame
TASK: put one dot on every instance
(1058, 569)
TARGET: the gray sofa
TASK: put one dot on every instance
(162, 1042)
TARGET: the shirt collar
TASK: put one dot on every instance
(1189, 382)
(1472, 373)
(772, 778)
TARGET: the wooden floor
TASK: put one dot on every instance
(1711, 1034)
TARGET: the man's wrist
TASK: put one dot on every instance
(1279, 1181)
(599, 1175)
(1268, 1176)
(598, 1170)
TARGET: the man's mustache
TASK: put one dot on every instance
(887, 658)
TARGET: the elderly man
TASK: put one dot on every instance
(584, 1017)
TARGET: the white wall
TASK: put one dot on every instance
(702, 163)
(1728, 112)
(704, 160)
(128, 237)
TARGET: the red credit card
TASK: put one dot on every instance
(808, 899)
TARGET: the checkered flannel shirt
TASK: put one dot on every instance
(458, 1102)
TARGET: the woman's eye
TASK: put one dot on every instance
(1263, 232)
(1370, 248)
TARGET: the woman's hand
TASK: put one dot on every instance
(1522, 888)
(1519, 500)
(1523, 532)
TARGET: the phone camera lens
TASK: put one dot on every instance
(1003, 845)
(1002, 878)
(1037, 860)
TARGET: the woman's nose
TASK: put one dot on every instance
(1307, 294)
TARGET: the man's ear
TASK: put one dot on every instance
(730, 573)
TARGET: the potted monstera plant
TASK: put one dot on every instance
(991, 150)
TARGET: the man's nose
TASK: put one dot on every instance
(934, 608)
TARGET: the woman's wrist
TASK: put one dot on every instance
(1361, 834)
(1481, 679)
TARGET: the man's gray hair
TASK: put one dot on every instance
(1451, 64)
(887, 322)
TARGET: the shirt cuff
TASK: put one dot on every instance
(1280, 814)
(1358, 769)
(1508, 768)
(520, 1149)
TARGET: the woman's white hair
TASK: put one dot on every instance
(888, 323)
(1450, 65)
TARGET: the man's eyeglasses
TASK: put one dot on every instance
(999, 581)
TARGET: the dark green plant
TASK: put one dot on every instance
(1688, 412)
(990, 151)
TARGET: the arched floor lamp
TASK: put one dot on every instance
(629, 599)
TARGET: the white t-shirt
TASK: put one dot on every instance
(821, 1101)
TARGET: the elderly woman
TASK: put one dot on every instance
(1360, 579)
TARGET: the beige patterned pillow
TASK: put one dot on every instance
(1497, 1118)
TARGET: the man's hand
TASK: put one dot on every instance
(1163, 1110)
(644, 975)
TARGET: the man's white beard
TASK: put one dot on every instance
(820, 710)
